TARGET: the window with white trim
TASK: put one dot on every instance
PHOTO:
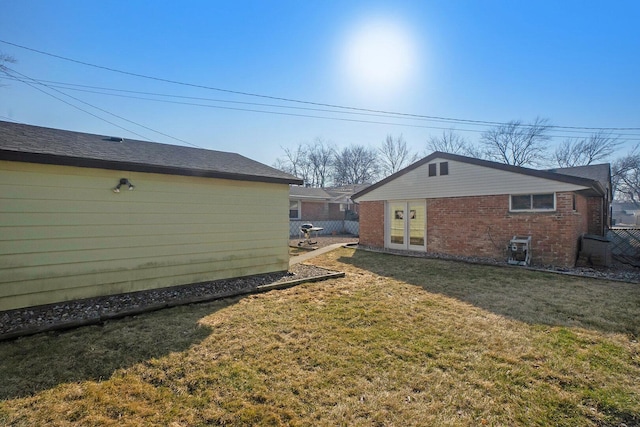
(294, 209)
(532, 202)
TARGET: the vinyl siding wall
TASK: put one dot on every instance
(463, 179)
(65, 235)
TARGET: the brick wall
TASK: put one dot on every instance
(314, 211)
(372, 223)
(335, 212)
(594, 208)
(321, 211)
(582, 225)
(483, 226)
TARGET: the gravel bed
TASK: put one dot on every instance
(619, 271)
(75, 313)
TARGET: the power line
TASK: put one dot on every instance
(63, 85)
(455, 120)
(253, 110)
(9, 70)
(10, 119)
(74, 86)
(78, 108)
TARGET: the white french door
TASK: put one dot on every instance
(405, 227)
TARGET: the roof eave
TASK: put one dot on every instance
(52, 159)
(309, 198)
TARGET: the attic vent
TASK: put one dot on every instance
(116, 139)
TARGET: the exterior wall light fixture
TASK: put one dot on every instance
(123, 181)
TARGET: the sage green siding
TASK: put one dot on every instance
(65, 235)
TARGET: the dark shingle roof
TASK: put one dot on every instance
(346, 190)
(600, 173)
(308, 193)
(26, 143)
(340, 194)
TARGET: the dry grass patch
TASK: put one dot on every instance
(398, 342)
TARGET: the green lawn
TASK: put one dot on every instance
(397, 342)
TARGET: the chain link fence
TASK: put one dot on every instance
(625, 241)
(329, 227)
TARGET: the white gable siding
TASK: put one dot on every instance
(464, 179)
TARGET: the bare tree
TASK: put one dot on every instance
(475, 151)
(295, 162)
(449, 142)
(586, 151)
(283, 165)
(355, 164)
(394, 155)
(625, 177)
(320, 158)
(6, 59)
(312, 162)
(515, 143)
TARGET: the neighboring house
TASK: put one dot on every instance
(328, 208)
(322, 204)
(625, 214)
(311, 204)
(194, 215)
(458, 205)
(343, 196)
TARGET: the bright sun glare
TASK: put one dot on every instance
(380, 58)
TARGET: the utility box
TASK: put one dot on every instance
(519, 250)
(594, 250)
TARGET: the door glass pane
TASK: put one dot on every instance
(417, 221)
(396, 221)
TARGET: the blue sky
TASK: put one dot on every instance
(574, 62)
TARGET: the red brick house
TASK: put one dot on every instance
(456, 205)
(331, 208)
(310, 204)
(322, 204)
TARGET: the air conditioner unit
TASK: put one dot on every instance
(519, 250)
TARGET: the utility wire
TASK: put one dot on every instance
(85, 88)
(9, 70)
(253, 110)
(66, 86)
(462, 121)
(10, 119)
(78, 108)
(289, 114)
